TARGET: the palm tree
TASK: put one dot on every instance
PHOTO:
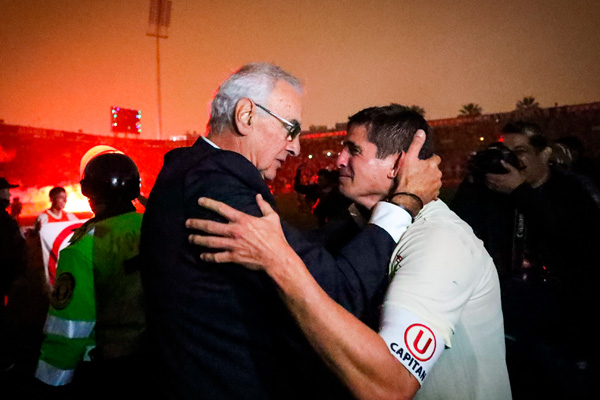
(417, 109)
(471, 110)
(527, 102)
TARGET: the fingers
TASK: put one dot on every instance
(220, 208)
(491, 181)
(212, 242)
(416, 144)
(492, 177)
(264, 206)
(508, 167)
(219, 258)
(208, 226)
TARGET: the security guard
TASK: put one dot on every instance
(96, 320)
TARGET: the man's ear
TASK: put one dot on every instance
(394, 170)
(243, 116)
(545, 154)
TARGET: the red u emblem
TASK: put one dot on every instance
(416, 343)
(420, 341)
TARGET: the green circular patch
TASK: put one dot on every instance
(63, 290)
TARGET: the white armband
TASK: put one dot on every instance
(412, 341)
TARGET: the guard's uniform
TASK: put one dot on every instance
(96, 308)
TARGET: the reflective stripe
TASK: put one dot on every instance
(86, 355)
(68, 328)
(51, 375)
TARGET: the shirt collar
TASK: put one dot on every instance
(211, 143)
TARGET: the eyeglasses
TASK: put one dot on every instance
(293, 128)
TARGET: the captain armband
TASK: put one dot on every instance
(412, 341)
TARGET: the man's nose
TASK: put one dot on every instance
(293, 147)
(342, 160)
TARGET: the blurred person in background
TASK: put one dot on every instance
(323, 197)
(311, 191)
(540, 224)
(579, 160)
(12, 265)
(15, 208)
(56, 212)
(331, 205)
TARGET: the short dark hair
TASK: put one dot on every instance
(392, 128)
(55, 191)
(529, 129)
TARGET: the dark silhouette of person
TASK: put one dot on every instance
(540, 225)
(12, 265)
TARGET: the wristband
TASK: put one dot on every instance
(411, 195)
(414, 197)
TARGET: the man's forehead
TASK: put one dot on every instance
(514, 139)
(350, 143)
(284, 95)
(357, 134)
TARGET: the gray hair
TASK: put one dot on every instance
(255, 81)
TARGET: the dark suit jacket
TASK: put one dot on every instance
(220, 331)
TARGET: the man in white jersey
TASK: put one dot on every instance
(442, 331)
(56, 212)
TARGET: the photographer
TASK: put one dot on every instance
(540, 224)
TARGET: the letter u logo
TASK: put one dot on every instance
(420, 341)
(416, 343)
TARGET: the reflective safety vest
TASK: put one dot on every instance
(96, 306)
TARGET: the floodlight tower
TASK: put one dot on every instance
(158, 26)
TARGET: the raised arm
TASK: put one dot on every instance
(417, 181)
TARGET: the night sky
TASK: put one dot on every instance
(64, 63)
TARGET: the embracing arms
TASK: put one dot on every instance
(357, 354)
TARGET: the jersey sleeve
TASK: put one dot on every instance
(434, 273)
(42, 218)
(433, 277)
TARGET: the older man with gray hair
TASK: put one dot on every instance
(222, 332)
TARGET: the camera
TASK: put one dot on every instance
(488, 161)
